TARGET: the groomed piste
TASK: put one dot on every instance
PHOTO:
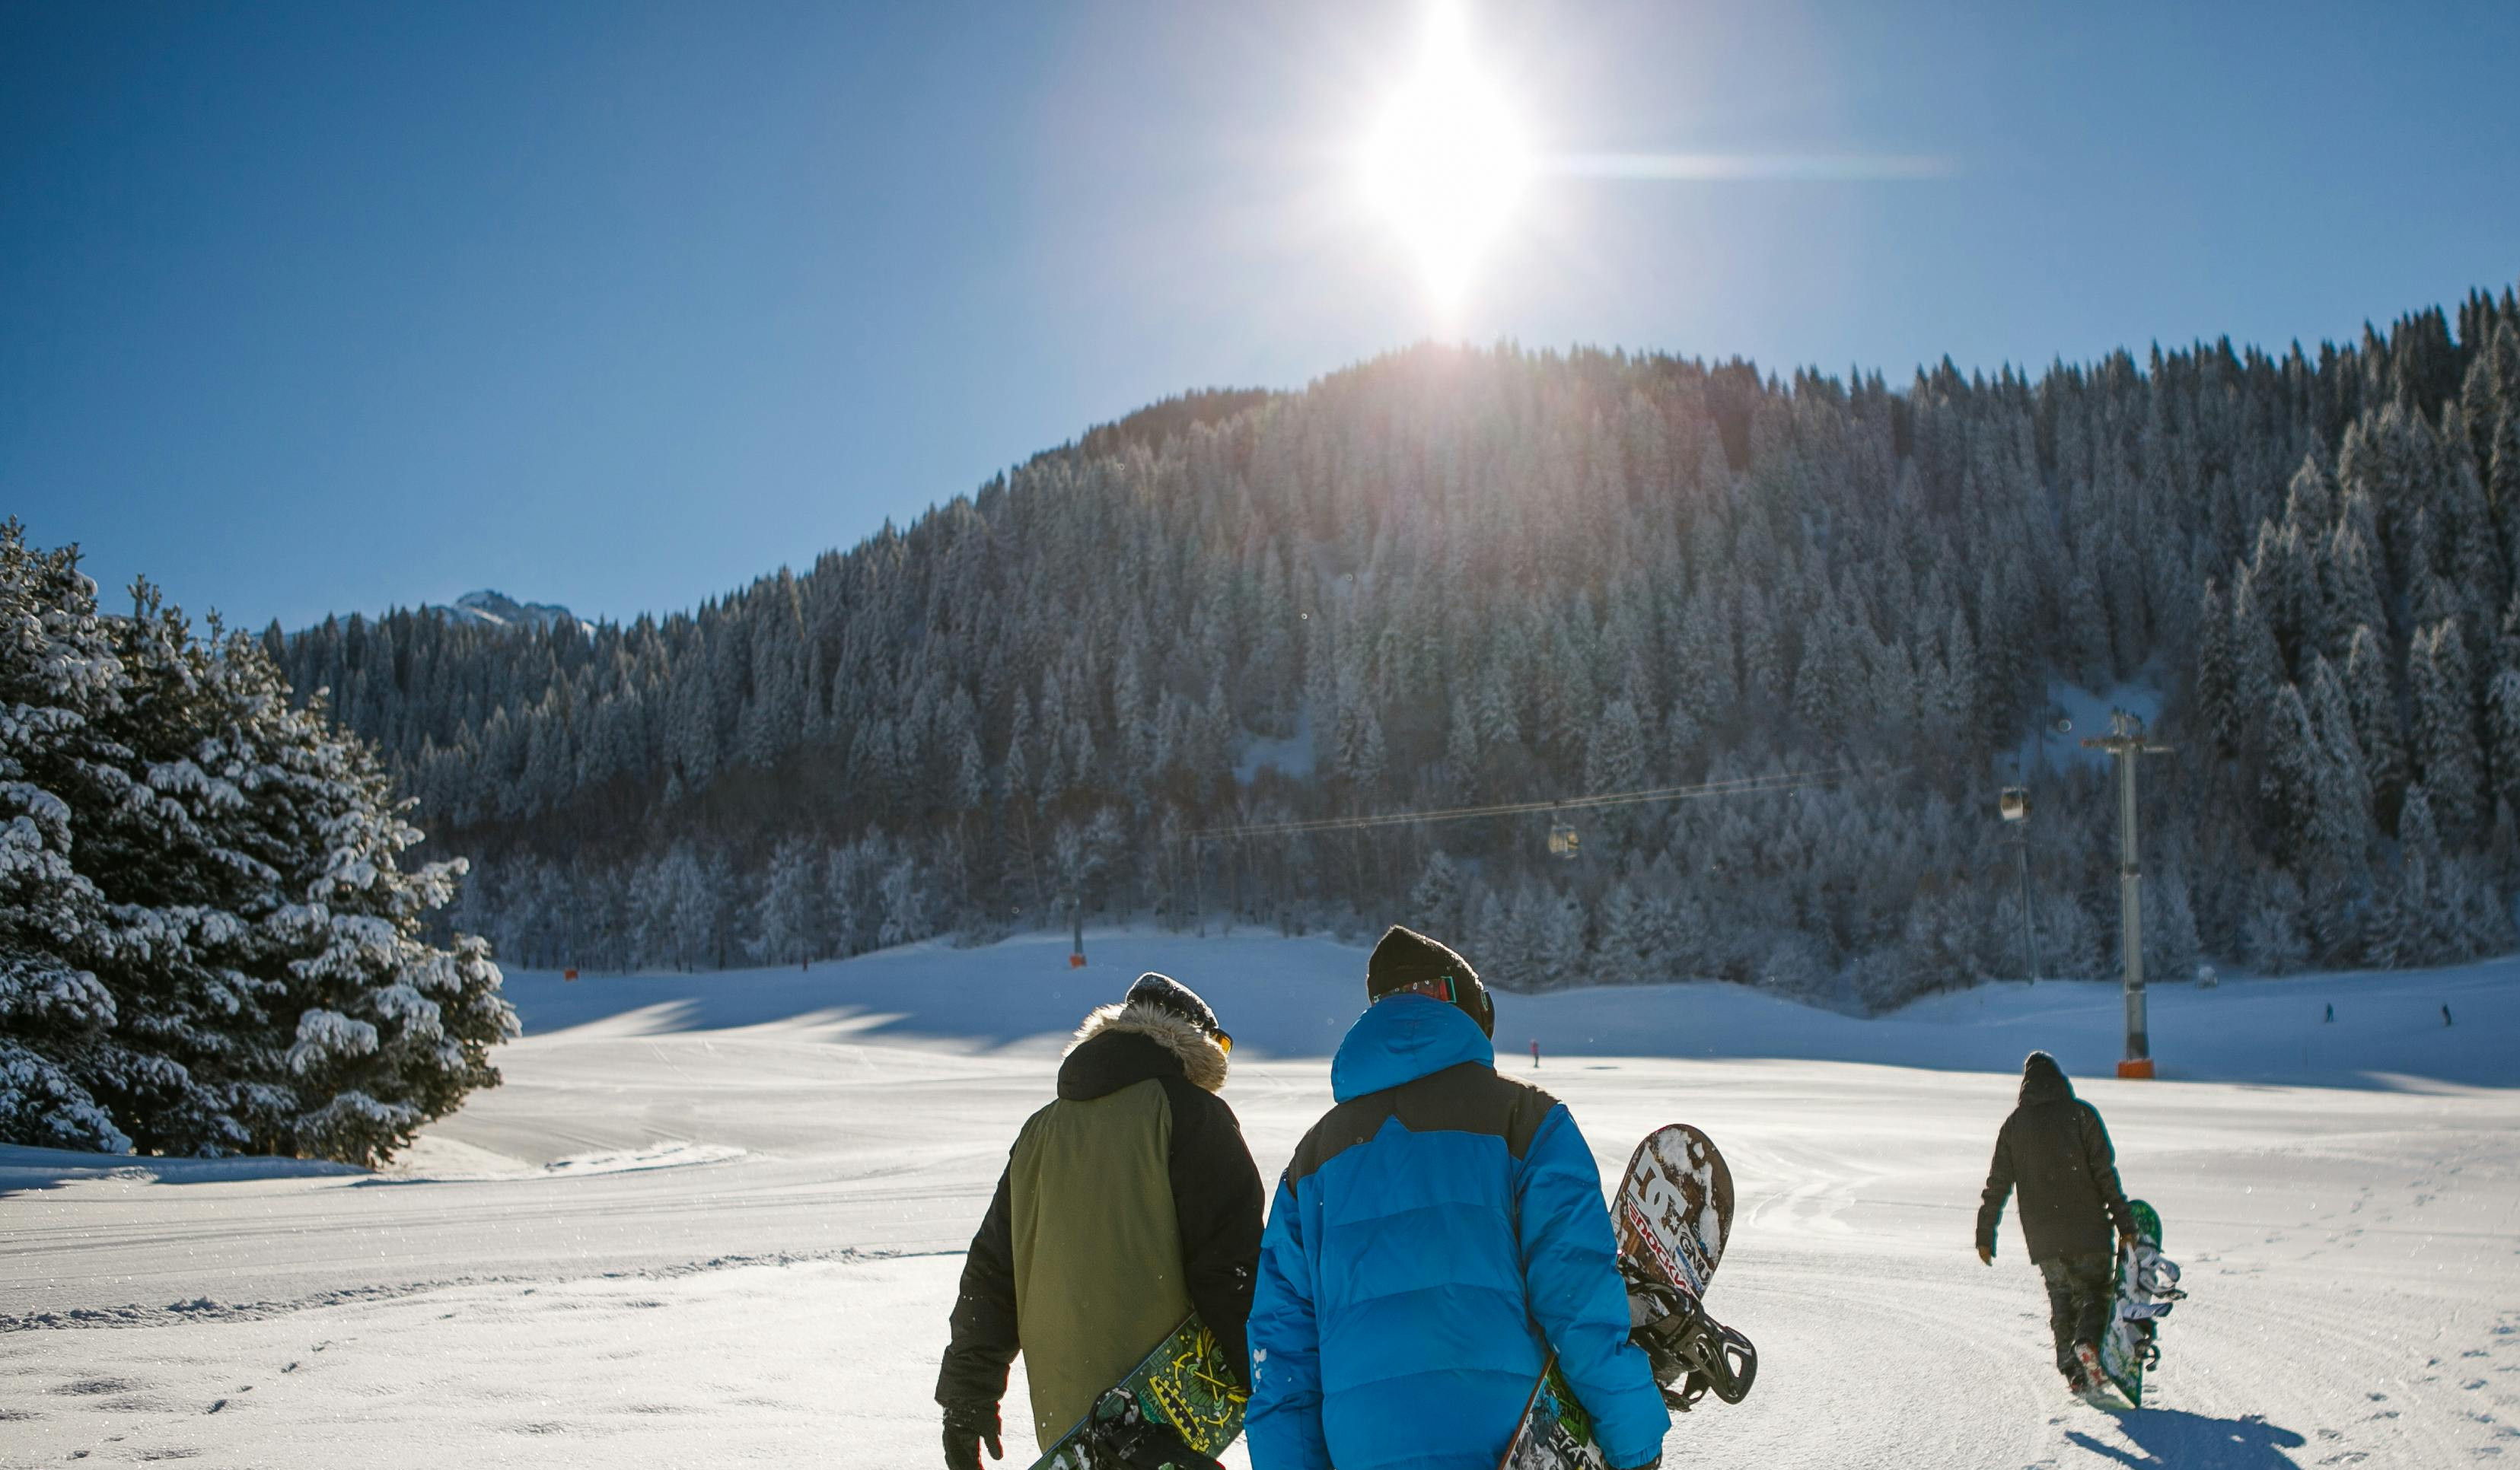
(716, 1218)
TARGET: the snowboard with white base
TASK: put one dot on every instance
(1672, 1217)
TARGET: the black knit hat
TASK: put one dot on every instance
(1407, 961)
(1165, 993)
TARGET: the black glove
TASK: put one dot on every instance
(966, 1430)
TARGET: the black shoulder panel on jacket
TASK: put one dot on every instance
(1469, 1098)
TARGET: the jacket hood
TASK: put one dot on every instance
(1402, 1039)
(1133, 1041)
(2042, 1081)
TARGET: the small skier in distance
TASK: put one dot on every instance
(2331, 1010)
(1535, 1045)
(1434, 1236)
(1126, 1203)
(2445, 1015)
(2056, 1150)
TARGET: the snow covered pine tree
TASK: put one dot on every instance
(208, 945)
(56, 670)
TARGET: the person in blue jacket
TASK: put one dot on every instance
(1437, 1233)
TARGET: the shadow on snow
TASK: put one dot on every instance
(2169, 1436)
(22, 1169)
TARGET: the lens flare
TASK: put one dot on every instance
(1447, 161)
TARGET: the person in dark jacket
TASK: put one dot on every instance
(2056, 1151)
(1125, 1204)
(1437, 1233)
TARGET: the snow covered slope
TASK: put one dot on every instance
(714, 1220)
(1292, 998)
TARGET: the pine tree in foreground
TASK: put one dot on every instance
(208, 945)
(57, 675)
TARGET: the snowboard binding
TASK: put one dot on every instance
(1121, 1436)
(1684, 1345)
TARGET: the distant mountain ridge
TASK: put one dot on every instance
(497, 609)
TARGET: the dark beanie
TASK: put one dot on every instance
(1165, 993)
(1405, 958)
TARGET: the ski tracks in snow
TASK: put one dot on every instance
(724, 1363)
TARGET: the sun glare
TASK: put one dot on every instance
(1446, 162)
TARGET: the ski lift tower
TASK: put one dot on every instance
(2014, 804)
(2125, 741)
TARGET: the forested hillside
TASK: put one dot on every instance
(1453, 577)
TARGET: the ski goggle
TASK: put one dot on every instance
(1441, 988)
(1224, 1042)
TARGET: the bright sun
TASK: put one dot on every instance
(1447, 161)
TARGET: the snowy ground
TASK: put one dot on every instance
(715, 1220)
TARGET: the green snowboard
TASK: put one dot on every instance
(1185, 1388)
(2127, 1347)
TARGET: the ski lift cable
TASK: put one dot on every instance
(1497, 809)
(1783, 781)
(1737, 786)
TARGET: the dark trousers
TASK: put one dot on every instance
(2080, 1291)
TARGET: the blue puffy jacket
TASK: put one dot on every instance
(1435, 1234)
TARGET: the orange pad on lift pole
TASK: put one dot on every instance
(1076, 962)
(2135, 1066)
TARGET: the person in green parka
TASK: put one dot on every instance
(1126, 1203)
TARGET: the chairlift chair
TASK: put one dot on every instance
(1562, 840)
(2015, 803)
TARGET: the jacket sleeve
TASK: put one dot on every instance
(1285, 1418)
(2102, 1158)
(1999, 1188)
(984, 1341)
(1570, 1271)
(1216, 1197)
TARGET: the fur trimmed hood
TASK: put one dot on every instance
(1202, 1060)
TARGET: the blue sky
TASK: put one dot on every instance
(311, 308)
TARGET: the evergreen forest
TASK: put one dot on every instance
(1455, 578)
